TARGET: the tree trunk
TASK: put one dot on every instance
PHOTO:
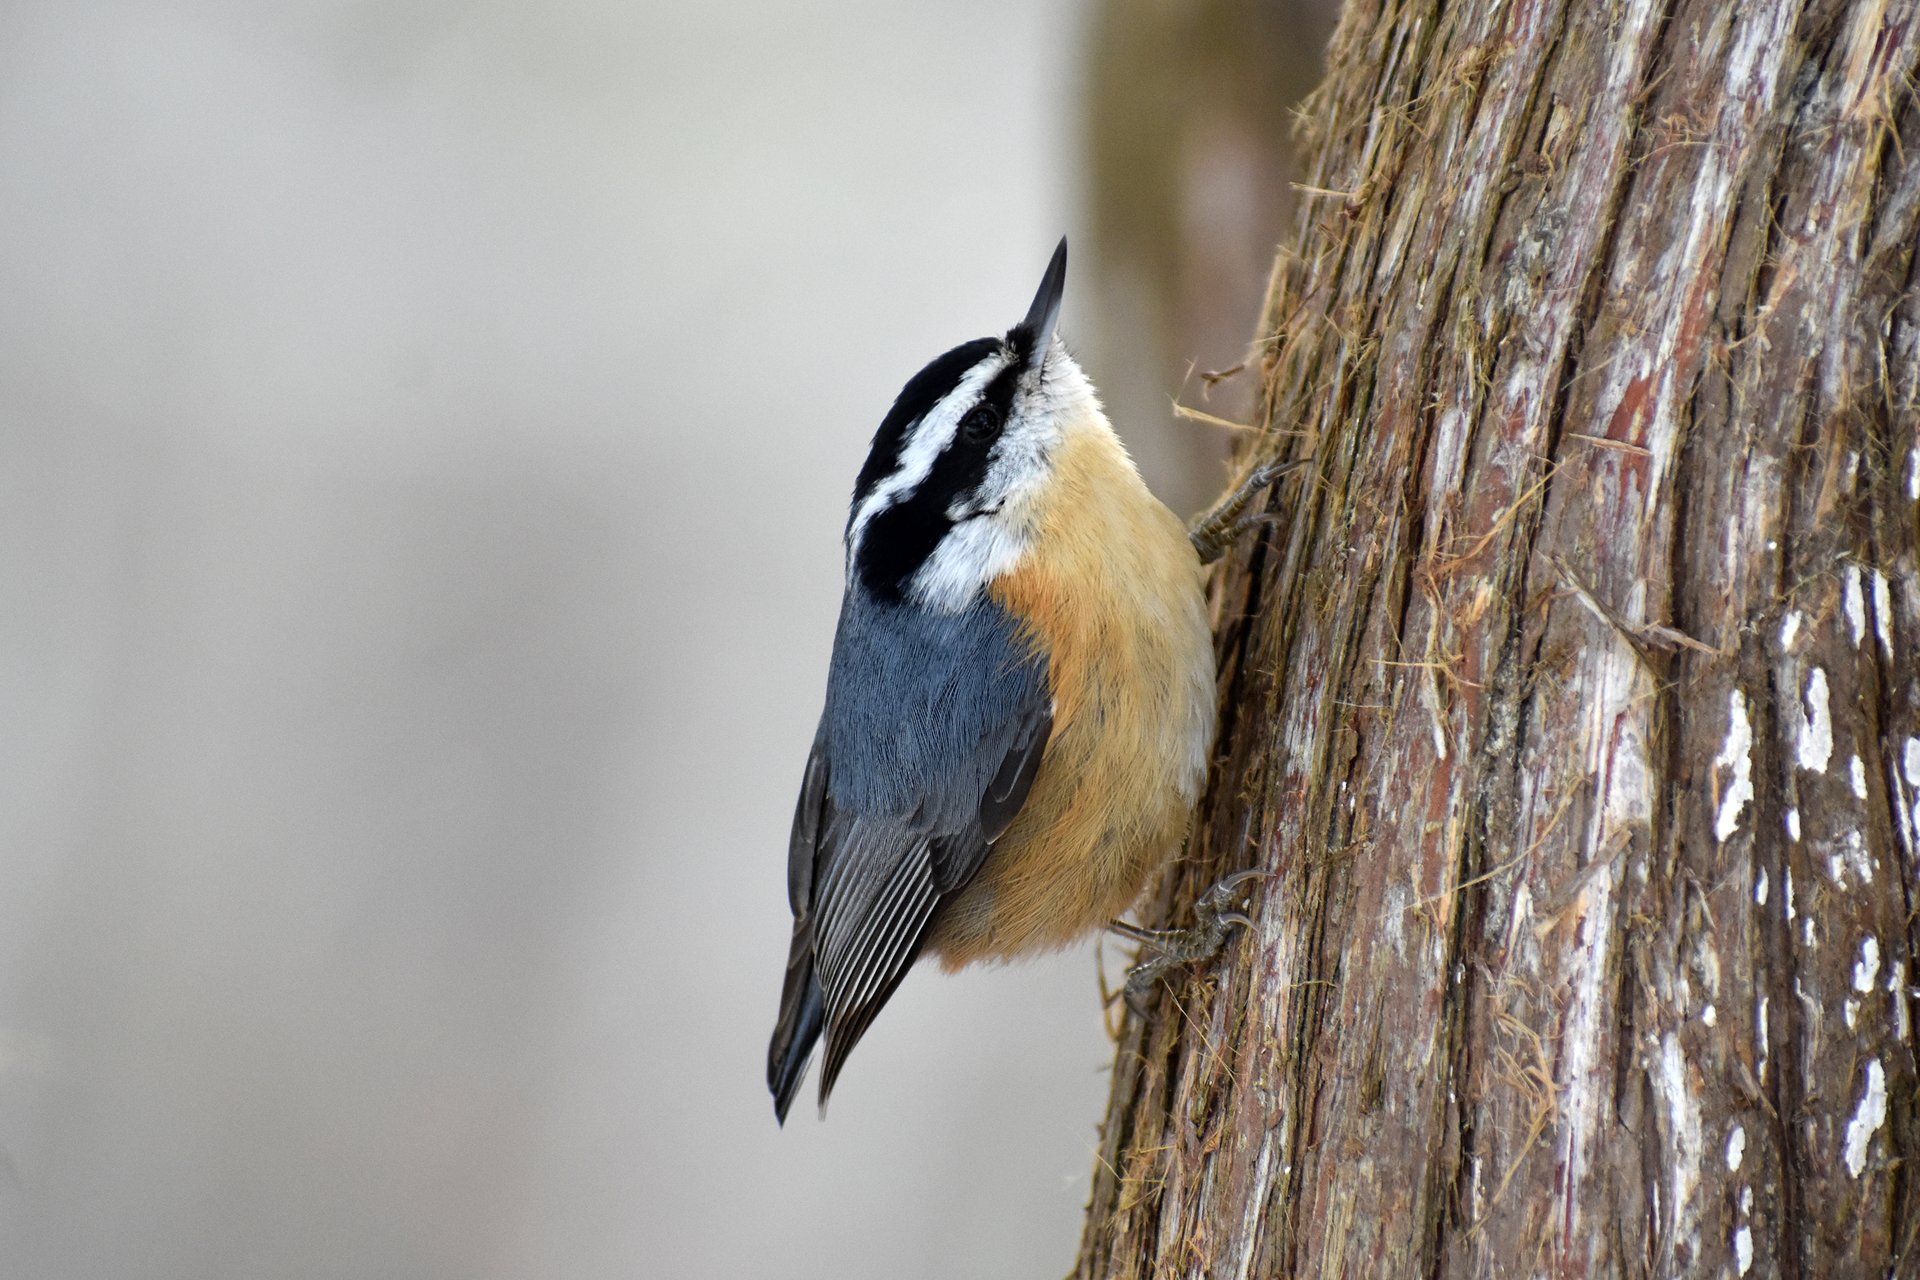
(1574, 698)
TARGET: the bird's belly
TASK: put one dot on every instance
(1109, 809)
(1050, 881)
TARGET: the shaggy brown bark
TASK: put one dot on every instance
(1574, 699)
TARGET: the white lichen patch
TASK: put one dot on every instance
(1913, 475)
(1909, 818)
(1736, 753)
(1398, 901)
(1857, 773)
(1793, 824)
(1710, 1016)
(1807, 933)
(1736, 1148)
(1850, 1011)
(1760, 1010)
(1854, 846)
(1866, 970)
(1789, 630)
(1867, 1118)
(1683, 1120)
(1788, 895)
(1854, 601)
(1743, 1235)
(1815, 745)
(1614, 689)
(1883, 612)
(1449, 455)
(1760, 889)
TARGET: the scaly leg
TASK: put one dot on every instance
(1212, 915)
(1217, 530)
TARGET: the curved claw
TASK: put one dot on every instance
(1265, 475)
(1223, 888)
(1175, 947)
(1215, 531)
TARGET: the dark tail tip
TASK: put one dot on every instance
(802, 1012)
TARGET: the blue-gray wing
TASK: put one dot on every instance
(933, 730)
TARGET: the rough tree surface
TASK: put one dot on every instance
(1574, 699)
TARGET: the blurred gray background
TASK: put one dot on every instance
(424, 437)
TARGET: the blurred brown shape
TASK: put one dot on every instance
(1190, 164)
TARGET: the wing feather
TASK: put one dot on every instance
(934, 730)
(809, 819)
(862, 934)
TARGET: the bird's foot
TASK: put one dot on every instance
(1219, 528)
(1213, 914)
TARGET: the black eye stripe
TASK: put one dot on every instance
(924, 390)
(998, 395)
(900, 538)
(982, 423)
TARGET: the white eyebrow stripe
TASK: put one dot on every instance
(925, 443)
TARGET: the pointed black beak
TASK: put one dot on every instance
(1044, 314)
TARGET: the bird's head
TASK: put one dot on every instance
(946, 500)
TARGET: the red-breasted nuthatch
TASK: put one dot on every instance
(1020, 706)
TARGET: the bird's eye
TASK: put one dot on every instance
(980, 423)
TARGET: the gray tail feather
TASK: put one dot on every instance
(846, 1031)
(802, 1013)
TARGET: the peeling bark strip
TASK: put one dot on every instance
(1576, 702)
